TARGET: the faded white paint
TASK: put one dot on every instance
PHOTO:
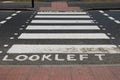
(62, 16)
(64, 27)
(62, 21)
(2, 22)
(39, 48)
(63, 36)
(8, 18)
(62, 13)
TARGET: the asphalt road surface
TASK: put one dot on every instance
(60, 38)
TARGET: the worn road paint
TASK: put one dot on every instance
(29, 48)
(63, 36)
(64, 27)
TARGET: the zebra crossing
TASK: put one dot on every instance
(59, 24)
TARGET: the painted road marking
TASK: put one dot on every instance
(62, 13)
(59, 16)
(6, 45)
(105, 14)
(15, 33)
(62, 21)
(117, 21)
(11, 37)
(111, 18)
(2, 22)
(54, 27)
(14, 14)
(7, 1)
(101, 11)
(29, 48)
(8, 18)
(63, 36)
(18, 11)
(1, 52)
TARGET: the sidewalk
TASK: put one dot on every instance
(60, 73)
(59, 6)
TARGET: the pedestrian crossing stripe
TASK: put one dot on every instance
(63, 36)
(62, 21)
(61, 12)
(59, 16)
(63, 27)
(39, 48)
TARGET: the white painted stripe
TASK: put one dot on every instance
(6, 45)
(55, 27)
(101, 11)
(59, 16)
(8, 18)
(117, 21)
(29, 48)
(111, 18)
(2, 22)
(18, 11)
(1, 52)
(105, 14)
(63, 36)
(62, 21)
(14, 14)
(62, 13)
(7, 1)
